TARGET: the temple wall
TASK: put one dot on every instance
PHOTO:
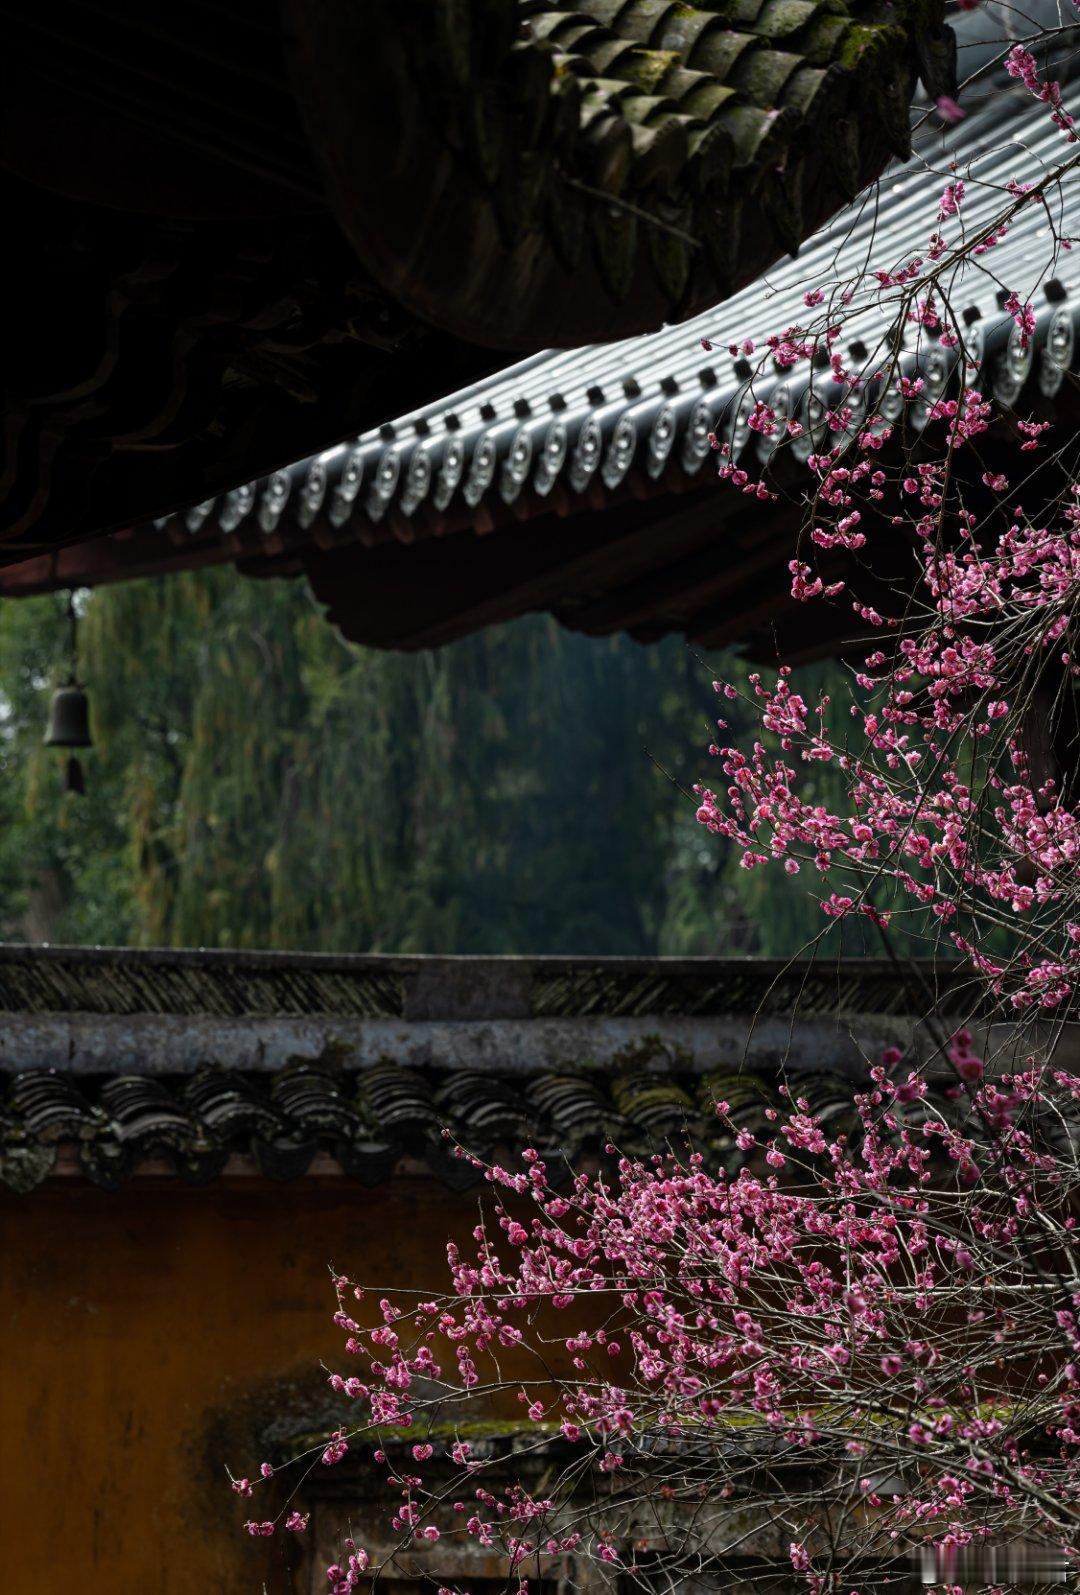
(153, 1333)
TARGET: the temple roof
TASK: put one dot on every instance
(242, 233)
(584, 168)
(581, 481)
(115, 1062)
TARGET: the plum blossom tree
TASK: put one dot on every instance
(858, 1347)
(962, 726)
(861, 1347)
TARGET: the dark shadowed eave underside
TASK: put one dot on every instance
(245, 233)
(581, 481)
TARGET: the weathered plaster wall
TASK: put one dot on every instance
(146, 1334)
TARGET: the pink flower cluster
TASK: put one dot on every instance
(869, 1296)
(1022, 64)
(924, 832)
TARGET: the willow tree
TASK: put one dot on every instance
(257, 782)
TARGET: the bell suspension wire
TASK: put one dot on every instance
(73, 636)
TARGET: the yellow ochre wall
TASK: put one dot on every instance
(145, 1330)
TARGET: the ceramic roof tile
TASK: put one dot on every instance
(112, 1125)
(572, 430)
(192, 1057)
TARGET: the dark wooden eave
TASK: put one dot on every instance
(582, 482)
(237, 234)
(183, 302)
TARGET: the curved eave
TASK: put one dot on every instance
(549, 484)
(599, 416)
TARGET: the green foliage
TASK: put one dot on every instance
(257, 782)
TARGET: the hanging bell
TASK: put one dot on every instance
(69, 718)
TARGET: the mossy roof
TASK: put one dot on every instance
(655, 154)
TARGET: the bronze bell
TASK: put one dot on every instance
(69, 718)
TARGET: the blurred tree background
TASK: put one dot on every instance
(257, 782)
